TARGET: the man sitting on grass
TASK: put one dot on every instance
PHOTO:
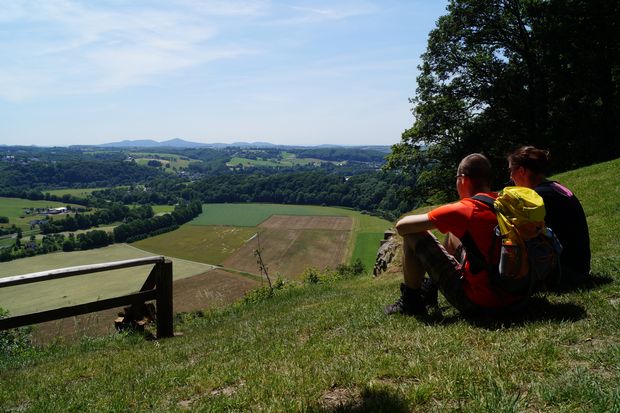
(465, 284)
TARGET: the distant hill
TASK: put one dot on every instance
(181, 143)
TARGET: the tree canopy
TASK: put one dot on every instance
(498, 74)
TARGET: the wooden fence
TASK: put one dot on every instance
(158, 286)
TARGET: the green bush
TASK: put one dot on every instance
(343, 271)
(15, 340)
(263, 293)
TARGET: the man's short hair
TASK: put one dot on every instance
(478, 168)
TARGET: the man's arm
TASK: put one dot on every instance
(413, 224)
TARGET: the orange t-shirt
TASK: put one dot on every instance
(473, 217)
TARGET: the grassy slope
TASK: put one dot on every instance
(308, 347)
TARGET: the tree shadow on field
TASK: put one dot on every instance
(369, 400)
(536, 309)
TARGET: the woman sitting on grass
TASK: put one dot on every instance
(528, 167)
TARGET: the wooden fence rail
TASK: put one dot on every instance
(158, 287)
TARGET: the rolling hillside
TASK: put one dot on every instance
(328, 347)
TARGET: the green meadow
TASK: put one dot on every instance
(253, 214)
(328, 347)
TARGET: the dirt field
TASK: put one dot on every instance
(289, 251)
(214, 288)
(307, 222)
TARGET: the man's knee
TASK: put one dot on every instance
(412, 240)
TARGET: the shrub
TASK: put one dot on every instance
(263, 293)
(343, 271)
(15, 340)
(311, 275)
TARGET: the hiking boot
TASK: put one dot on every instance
(409, 303)
(429, 293)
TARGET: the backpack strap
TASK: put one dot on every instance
(476, 260)
(485, 199)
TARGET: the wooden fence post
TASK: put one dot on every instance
(164, 300)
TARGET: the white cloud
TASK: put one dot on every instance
(57, 47)
(227, 7)
(70, 47)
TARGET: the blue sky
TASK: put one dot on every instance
(287, 72)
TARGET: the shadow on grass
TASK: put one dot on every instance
(535, 310)
(591, 282)
(370, 400)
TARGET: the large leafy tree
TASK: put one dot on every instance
(498, 74)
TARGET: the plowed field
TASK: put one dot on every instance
(307, 222)
(290, 244)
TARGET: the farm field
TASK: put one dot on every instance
(365, 248)
(209, 245)
(13, 208)
(288, 248)
(251, 215)
(293, 237)
(68, 291)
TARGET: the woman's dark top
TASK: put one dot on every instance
(566, 218)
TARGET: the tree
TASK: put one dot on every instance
(502, 73)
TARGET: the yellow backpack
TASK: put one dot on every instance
(530, 251)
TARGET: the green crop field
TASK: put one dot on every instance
(74, 290)
(365, 248)
(200, 243)
(14, 208)
(250, 215)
